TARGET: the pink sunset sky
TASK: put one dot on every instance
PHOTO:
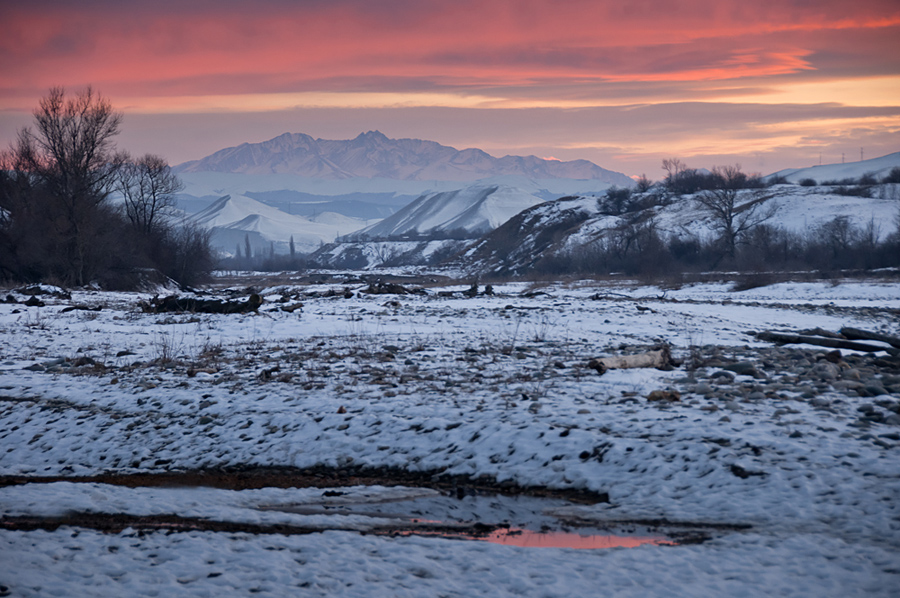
(767, 84)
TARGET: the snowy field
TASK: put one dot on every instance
(786, 461)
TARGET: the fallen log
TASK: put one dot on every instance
(783, 338)
(176, 304)
(81, 307)
(659, 358)
(865, 335)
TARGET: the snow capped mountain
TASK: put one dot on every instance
(233, 218)
(878, 167)
(374, 155)
(473, 211)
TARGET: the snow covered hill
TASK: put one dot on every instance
(374, 155)
(571, 226)
(878, 167)
(234, 218)
(470, 211)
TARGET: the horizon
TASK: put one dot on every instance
(773, 86)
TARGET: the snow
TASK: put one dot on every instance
(877, 167)
(475, 209)
(495, 385)
(232, 216)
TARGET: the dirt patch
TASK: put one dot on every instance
(315, 477)
(114, 523)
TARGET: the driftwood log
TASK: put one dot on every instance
(784, 338)
(865, 335)
(173, 303)
(659, 358)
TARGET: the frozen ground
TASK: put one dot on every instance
(792, 455)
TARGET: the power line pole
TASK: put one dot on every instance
(860, 154)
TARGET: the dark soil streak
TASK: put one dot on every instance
(115, 523)
(315, 477)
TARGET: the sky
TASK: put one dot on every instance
(769, 84)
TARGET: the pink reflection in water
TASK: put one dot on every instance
(531, 539)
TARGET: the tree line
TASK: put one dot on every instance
(59, 221)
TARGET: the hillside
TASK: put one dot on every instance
(470, 211)
(577, 228)
(877, 167)
(234, 218)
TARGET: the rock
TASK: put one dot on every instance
(535, 407)
(664, 395)
(744, 473)
(874, 389)
(703, 389)
(757, 396)
(825, 370)
(851, 374)
(583, 411)
(722, 377)
(35, 367)
(833, 356)
(866, 408)
(205, 420)
(741, 368)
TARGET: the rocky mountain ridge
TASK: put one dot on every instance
(374, 155)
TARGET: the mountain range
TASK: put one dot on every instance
(374, 155)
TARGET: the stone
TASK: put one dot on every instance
(722, 377)
(742, 368)
(825, 370)
(664, 395)
(851, 374)
(205, 420)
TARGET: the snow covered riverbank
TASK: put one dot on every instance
(800, 448)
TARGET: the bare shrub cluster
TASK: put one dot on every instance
(58, 219)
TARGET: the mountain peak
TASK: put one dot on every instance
(376, 134)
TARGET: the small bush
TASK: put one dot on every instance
(893, 176)
(807, 182)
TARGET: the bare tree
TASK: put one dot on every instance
(148, 187)
(731, 219)
(71, 156)
(643, 184)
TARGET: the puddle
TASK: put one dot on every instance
(510, 520)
